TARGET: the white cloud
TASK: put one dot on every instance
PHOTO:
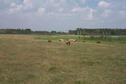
(61, 9)
(106, 13)
(13, 10)
(12, 4)
(123, 13)
(87, 12)
(5, 1)
(83, 1)
(90, 15)
(103, 4)
(63, 1)
(27, 4)
(78, 9)
(41, 11)
(52, 1)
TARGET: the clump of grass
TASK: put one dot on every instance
(53, 69)
(81, 82)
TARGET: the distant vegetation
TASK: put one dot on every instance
(78, 31)
(28, 31)
(101, 34)
(15, 31)
(105, 31)
(81, 34)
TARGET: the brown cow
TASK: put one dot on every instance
(75, 40)
(61, 40)
(68, 42)
(49, 41)
(98, 42)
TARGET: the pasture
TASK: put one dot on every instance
(31, 59)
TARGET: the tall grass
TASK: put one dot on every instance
(27, 60)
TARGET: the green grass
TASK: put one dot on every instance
(57, 37)
(116, 40)
(30, 59)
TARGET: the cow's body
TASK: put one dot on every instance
(68, 43)
(49, 41)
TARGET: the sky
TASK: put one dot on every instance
(62, 15)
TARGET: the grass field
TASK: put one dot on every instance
(30, 59)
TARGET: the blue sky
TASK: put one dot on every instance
(62, 15)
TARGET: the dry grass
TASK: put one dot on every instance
(26, 60)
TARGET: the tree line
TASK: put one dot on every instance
(78, 31)
(105, 31)
(28, 31)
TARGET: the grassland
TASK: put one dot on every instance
(30, 59)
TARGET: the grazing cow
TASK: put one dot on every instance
(49, 41)
(68, 42)
(98, 42)
(71, 40)
(74, 40)
(61, 40)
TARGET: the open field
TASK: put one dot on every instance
(30, 59)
